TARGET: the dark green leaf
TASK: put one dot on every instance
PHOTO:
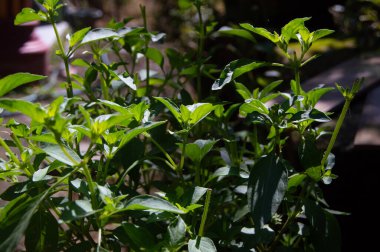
(201, 244)
(177, 233)
(228, 31)
(77, 209)
(155, 55)
(234, 69)
(138, 238)
(28, 15)
(42, 233)
(197, 150)
(267, 185)
(312, 114)
(13, 81)
(325, 231)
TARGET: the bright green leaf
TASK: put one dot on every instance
(63, 154)
(171, 106)
(290, 30)
(13, 81)
(78, 36)
(262, 32)
(228, 31)
(28, 15)
(155, 55)
(32, 110)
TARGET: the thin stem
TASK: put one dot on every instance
(106, 169)
(201, 42)
(205, 211)
(147, 66)
(336, 132)
(182, 161)
(173, 164)
(9, 151)
(69, 85)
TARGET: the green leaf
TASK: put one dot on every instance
(262, 32)
(13, 81)
(320, 34)
(77, 209)
(177, 233)
(312, 114)
(155, 55)
(267, 185)
(41, 174)
(98, 34)
(243, 91)
(42, 233)
(295, 180)
(171, 106)
(78, 36)
(32, 110)
(290, 30)
(201, 244)
(198, 112)
(28, 15)
(228, 31)
(148, 202)
(126, 80)
(234, 69)
(313, 96)
(63, 154)
(138, 238)
(325, 231)
(136, 131)
(197, 150)
(269, 88)
(252, 105)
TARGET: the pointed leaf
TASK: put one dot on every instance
(32, 110)
(197, 150)
(13, 81)
(199, 111)
(64, 154)
(171, 106)
(98, 34)
(148, 202)
(267, 185)
(177, 233)
(136, 131)
(77, 209)
(78, 36)
(228, 31)
(234, 69)
(290, 30)
(325, 231)
(155, 55)
(28, 15)
(320, 34)
(262, 32)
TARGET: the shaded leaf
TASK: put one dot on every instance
(197, 150)
(177, 233)
(228, 31)
(155, 55)
(77, 209)
(148, 202)
(267, 185)
(171, 106)
(325, 231)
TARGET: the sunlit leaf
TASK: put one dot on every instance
(13, 81)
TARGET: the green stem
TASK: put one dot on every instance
(201, 42)
(336, 131)
(298, 80)
(143, 13)
(182, 161)
(106, 169)
(205, 211)
(171, 161)
(69, 85)
(9, 151)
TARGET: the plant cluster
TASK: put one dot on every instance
(119, 165)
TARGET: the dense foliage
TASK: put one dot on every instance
(129, 159)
